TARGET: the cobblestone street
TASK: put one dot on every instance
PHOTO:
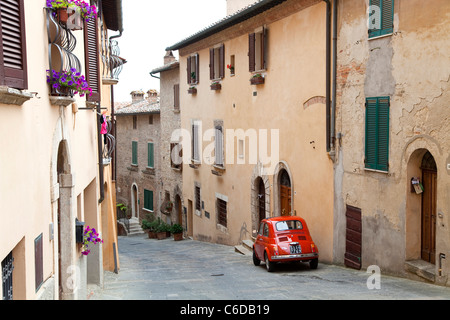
(192, 270)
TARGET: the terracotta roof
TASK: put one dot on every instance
(140, 107)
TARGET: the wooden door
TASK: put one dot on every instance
(353, 239)
(261, 201)
(428, 253)
(285, 199)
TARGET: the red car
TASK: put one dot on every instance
(284, 239)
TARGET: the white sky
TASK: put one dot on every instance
(150, 27)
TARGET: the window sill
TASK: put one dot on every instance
(375, 170)
(61, 101)
(13, 96)
(218, 170)
(148, 210)
(148, 170)
(382, 36)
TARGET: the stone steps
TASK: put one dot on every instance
(246, 248)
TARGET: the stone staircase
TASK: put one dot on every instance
(246, 248)
(135, 227)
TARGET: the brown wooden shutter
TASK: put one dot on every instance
(188, 69)
(197, 68)
(211, 64)
(38, 261)
(176, 97)
(251, 52)
(13, 69)
(353, 246)
(264, 48)
(91, 47)
(222, 61)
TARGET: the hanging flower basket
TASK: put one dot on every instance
(257, 79)
(216, 86)
(192, 90)
(65, 83)
(72, 13)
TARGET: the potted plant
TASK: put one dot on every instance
(161, 230)
(123, 209)
(177, 231)
(229, 66)
(90, 236)
(216, 85)
(65, 83)
(257, 78)
(71, 13)
(192, 90)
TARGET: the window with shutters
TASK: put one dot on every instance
(257, 50)
(221, 212)
(176, 97)
(381, 18)
(193, 69)
(217, 62)
(148, 200)
(134, 153)
(13, 69)
(91, 45)
(195, 142)
(151, 155)
(198, 205)
(218, 146)
(377, 133)
(38, 262)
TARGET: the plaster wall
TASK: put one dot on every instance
(295, 74)
(412, 67)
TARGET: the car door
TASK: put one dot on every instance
(258, 242)
(263, 239)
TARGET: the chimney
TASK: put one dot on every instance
(168, 58)
(152, 96)
(137, 96)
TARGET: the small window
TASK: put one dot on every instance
(258, 50)
(222, 212)
(381, 17)
(195, 142)
(150, 119)
(148, 200)
(219, 152)
(134, 122)
(134, 153)
(176, 97)
(266, 230)
(232, 65)
(193, 76)
(217, 62)
(198, 205)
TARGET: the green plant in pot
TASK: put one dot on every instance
(177, 231)
(161, 230)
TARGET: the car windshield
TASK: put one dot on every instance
(289, 225)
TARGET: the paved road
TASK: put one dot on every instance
(192, 270)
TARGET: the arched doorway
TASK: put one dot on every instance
(134, 202)
(429, 183)
(285, 193)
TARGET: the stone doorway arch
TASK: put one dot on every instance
(260, 197)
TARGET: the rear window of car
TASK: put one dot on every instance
(288, 225)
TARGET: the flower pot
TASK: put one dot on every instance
(257, 80)
(161, 235)
(152, 235)
(192, 90)
(178, 236)
(69, 18)
(216, 86)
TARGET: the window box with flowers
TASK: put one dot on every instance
(257, 78)
(72, 13)
(216, 85)
(192, 90)
(65, 84)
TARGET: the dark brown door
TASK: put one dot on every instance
(285, 193)
(353, 241)
(261, 200)
(429, 216)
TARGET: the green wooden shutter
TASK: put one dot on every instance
(151, 155)
(148, 200)
(387, 17)
(377, 133)
(134, 152)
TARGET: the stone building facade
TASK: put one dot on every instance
(392, 169)
(138, 128)
(170, 169)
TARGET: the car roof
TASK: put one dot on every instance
(277, 219)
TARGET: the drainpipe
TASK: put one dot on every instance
(328, 75)
(333, 99)
(100, 155)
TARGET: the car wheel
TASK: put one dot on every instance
(314, 263)
(270, 266)
(256, 261)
